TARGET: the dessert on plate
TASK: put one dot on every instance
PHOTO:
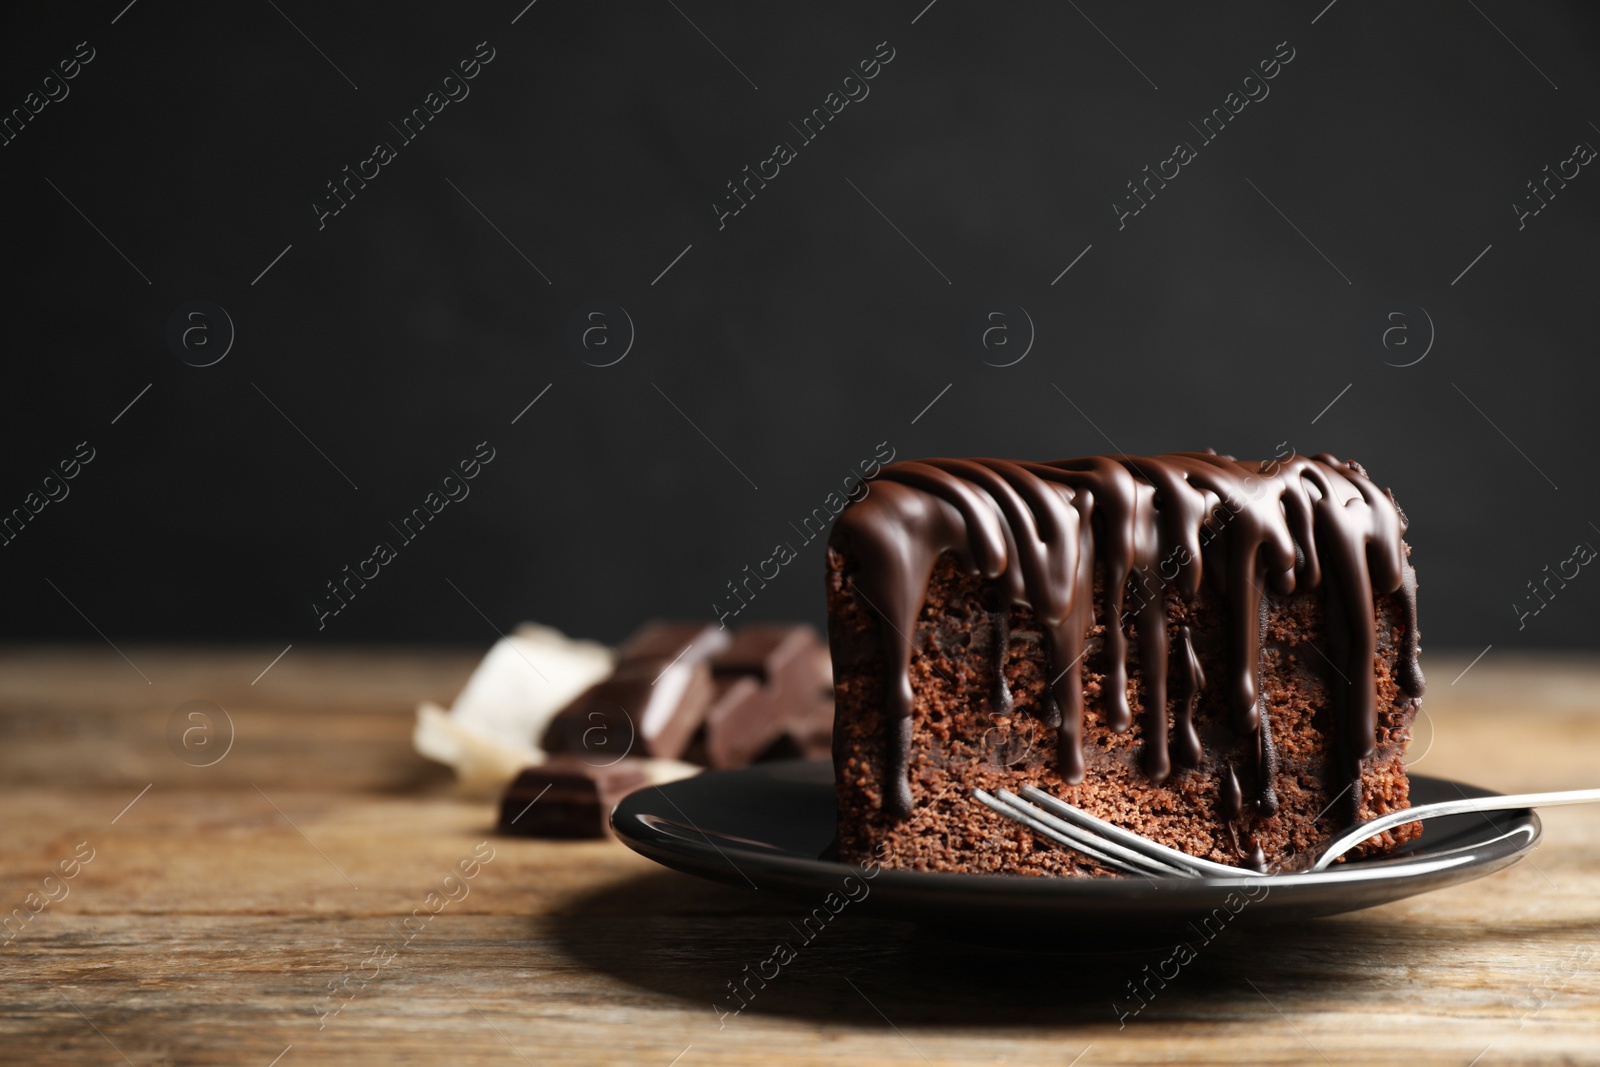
(1219, 655)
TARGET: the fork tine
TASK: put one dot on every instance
(1107, 852)
(1078, 843)
(1110, 833)
(1128, 856)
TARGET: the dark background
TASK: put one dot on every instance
(798, 337)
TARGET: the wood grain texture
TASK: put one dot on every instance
(218, 909)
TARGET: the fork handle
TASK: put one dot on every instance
(1466, 805)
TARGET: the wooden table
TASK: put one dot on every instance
(222, 904)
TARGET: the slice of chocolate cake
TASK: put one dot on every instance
(1221, 656)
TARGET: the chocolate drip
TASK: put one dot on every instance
(1231, 797)
(1266, 767)
(1230, 801)
(1266, 752)
(1185, 741)
(1153, 650)
(1041, 532)
(1346, 756)
(1411, 680)
(1000, 692)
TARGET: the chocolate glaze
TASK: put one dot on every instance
(1040, 531)
(1185, 741)
(1252, 855)
(1231, 800)
(1000, 698)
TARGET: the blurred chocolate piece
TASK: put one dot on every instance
(712, 696)
(645, 708)
(565, 797)
(680, 690)
(664, 640)
(773, 683)
(653, 703)
(807, 735)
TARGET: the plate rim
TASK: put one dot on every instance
(785, 870)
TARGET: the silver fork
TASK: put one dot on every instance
(1128, 851)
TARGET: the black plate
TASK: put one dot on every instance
(764, 827)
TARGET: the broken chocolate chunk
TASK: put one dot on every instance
(680, 690)
(566, 797)
(772, 681)
(652, 704)
(665, 640)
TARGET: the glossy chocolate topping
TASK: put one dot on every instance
(1039, 531)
